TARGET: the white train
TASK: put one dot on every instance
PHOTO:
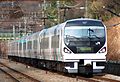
(75, 46)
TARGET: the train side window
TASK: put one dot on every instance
(44, 43)
(17, 46)
(55, 40)
(41, 43)
(29, 44)
(35, 44)
(45, 40)
(20, 46)
(24, 46)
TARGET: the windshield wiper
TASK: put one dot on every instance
(95, 36)
(69, 36)
(90, 30)
(91, 35)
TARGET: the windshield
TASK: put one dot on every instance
(84, 39)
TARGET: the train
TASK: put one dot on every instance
(74, 46)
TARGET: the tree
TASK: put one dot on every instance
(98, 8)
(54, 12)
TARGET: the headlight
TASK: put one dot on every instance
(67, 50)
(103, 50)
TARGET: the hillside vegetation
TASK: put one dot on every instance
(113, 36)
(98, 9)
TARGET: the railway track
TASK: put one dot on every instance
(96, 79)
(25, 78)
(6, 77)
(17, 76)
(101, 79)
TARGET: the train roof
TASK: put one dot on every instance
(53, 27)
(83, 19)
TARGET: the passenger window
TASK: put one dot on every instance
(35, 44)
(55, 40)
(29, 44)
(45, 40)
(20, 46)
(24, 46)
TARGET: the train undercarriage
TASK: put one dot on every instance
(66, 67)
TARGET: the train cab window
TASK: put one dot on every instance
(85, 36)
(84, 23)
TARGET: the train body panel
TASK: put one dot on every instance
(72, 45)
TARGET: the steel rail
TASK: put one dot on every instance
(9, 75)
(23, 74)
(105, 79)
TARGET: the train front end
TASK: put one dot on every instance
(84, 46)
